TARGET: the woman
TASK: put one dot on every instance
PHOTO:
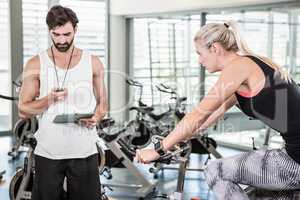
(263, 91)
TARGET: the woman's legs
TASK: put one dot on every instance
(265, 169)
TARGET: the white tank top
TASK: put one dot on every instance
(65, 141)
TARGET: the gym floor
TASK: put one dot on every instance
(195, 185)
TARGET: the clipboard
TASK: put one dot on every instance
(71, 118)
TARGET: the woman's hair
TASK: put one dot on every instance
(59, 16)
(228, 35)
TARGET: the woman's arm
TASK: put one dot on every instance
(218, 114)
(228, 83)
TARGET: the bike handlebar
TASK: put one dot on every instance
(133, 83)
(9, 98)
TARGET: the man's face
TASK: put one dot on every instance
(63, 36)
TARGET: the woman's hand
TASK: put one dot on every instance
(146, 155)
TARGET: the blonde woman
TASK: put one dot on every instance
(263, 90)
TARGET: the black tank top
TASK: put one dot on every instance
(278, 106)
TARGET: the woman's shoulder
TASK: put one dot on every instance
(241, 64)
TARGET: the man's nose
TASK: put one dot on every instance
(61, 40)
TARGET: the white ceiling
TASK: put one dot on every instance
(135, 7)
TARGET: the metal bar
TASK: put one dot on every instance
(202, 70)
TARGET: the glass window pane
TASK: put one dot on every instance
(5, 89)
(162, 48)
(35, 32)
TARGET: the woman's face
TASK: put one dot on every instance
(206, 57)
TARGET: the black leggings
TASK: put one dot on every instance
(82, 175)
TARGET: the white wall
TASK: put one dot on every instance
(134, 7)
(117, 68)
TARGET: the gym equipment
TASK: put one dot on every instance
(165, 122)
(1, 175)
(22, 129)
(146, 123)
(121, 150)
(22, 182)
(179, 154)
(139, 130)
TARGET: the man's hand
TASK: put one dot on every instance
(58, 95)
(89, 122)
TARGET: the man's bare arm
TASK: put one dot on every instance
(99, 88)
(28, 105)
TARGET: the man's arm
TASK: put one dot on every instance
(28, 105)
(99, 89)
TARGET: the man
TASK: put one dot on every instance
(64, 80)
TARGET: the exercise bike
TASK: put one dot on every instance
(22, 182)
(2, 174)
(120, 152)
(139, 130)
(22, 128)
(178, 155)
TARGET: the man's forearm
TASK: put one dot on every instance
(35, 107)
(100, 111)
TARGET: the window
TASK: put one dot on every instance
(35, 32)
(5, 106)
(297, 42)
(162, 54)
(281, 32)
(91, 33)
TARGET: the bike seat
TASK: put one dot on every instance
(142, 109)
(182, 99)
(159, 116)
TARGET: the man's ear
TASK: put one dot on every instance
(75, 29)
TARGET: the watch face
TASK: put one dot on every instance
(156, 145)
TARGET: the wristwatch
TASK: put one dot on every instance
(159, 148)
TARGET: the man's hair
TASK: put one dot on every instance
(59, 16)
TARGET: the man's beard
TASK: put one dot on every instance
(63, 47)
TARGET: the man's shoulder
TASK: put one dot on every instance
(33, 62)
(96, 60)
